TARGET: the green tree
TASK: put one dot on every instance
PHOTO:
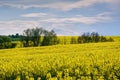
(64, 40)
(84, 38)
(92, 37)
(36, 35)
(5, 42)
(103, 39)
(110, 39)
(50, 38)
(1, 43)
(31, 37)
(73, 40)
(95, 37)
(26, 37)
(79, 40)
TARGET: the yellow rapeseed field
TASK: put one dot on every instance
(90, 61)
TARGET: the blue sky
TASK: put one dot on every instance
(66, 17)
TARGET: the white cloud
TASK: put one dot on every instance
(102, 17)
(15, 26)
(63, 29)
(61, 24)
(58, 5)
(72, 5)
(48, 18)
(34, 15)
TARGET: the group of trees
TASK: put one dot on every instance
(50, 38)
(41, 37)
(93, 37)
(30, 37)
(5, 42)
(38, 36)
(15, 37)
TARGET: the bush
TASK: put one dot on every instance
(5, 42)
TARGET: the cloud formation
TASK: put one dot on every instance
(61, 5)
(15, 26)
(34, 15)
(56, 23)
(50, 14)
(78, 4)
(102, 17)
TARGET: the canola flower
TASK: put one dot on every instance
(91, 61)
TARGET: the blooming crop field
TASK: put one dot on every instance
(90, 61)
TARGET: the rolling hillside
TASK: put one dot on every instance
(88, 61)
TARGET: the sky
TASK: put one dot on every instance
(65, 17)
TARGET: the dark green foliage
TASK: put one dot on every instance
(5, 42)
(41, 37)
(36, 35)
(50, 38)
(13, 45)
(31, 37)
(15, 37)
(73, 40)
(103, 39)
(46, 39)
(110, 39)
(93, 37)
(79, 39)
(65, 40)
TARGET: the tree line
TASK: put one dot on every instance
(5, 42)
(32, 37)
(41, 37)
(93, 37)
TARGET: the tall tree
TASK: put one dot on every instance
(36, 35)
(73, 40)
(32, 36)
(26, 37)
(95, 37)
(50, 38)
